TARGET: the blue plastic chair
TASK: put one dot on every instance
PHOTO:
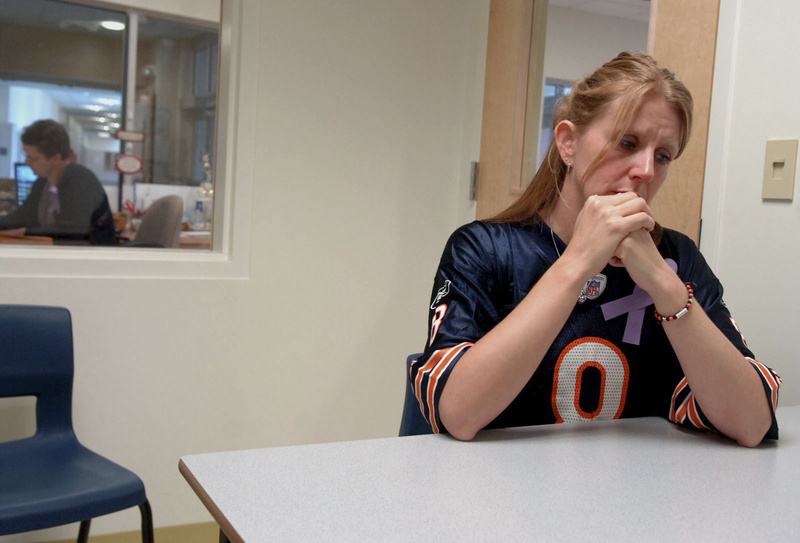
(413, 422)
(50, 479)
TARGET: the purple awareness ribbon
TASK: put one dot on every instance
(634, 305)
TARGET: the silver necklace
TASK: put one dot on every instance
(555, 245)
(594, 287)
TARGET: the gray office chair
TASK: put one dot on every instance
(161, 224)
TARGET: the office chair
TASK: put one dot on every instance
(50, 479)
(161, 224)
(413, 422)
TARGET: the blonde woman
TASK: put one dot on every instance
(574, 304)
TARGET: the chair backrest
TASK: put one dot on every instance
(161, 224)
(36, 359)
(413, 422)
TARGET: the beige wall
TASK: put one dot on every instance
(752, 244)
(366, 117)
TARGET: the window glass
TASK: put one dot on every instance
(140, 118)
(554, 91)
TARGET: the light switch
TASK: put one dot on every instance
(779, 168)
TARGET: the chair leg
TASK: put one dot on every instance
(83, 532)
(147, 522)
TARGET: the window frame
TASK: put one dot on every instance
(233, 173)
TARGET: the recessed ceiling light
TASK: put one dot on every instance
(112, 25)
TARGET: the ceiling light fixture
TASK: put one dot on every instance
(112, 25)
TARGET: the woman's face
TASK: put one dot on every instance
(638, 163)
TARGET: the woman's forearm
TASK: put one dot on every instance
(724, 383)
(494, 370)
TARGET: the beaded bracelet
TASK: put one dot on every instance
(680, 313)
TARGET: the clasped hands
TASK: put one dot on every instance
(615, 229)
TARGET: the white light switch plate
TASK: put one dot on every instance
(779, 169)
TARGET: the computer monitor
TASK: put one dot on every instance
(25, 178)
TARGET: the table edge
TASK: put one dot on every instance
(205, 499)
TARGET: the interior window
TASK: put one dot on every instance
(554, 91)
(137, 97)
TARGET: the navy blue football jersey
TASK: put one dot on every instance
(612, 358)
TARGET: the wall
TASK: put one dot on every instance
(196, 10)
(30, 104)
(368, 114)
(750, 243)
(29, 100)
(92, 154)
(32, 51)
(567, 55)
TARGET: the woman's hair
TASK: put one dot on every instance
(628, 78)
(49, 137)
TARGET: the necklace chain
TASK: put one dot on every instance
(555, 245)
(552, 235)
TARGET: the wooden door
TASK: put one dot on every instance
(514, 57)
(683, 37)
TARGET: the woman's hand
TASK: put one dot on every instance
(650, 271)
(602, 225)
(639, 255)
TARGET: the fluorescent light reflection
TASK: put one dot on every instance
(113, 25)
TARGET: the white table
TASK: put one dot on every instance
(629, 480)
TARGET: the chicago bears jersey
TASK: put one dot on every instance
(612, 358)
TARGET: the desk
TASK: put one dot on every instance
(188, 240)
(626, 480)
(16, 236)
(195, 240)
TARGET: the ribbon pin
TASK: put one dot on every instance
(634, 305)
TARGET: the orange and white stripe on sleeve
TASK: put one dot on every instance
(772, 382)
(428, 376)
(685, 410)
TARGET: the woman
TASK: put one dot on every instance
(573, 304)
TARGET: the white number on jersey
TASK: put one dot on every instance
(578, 357)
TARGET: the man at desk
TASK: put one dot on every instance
(67, 201)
